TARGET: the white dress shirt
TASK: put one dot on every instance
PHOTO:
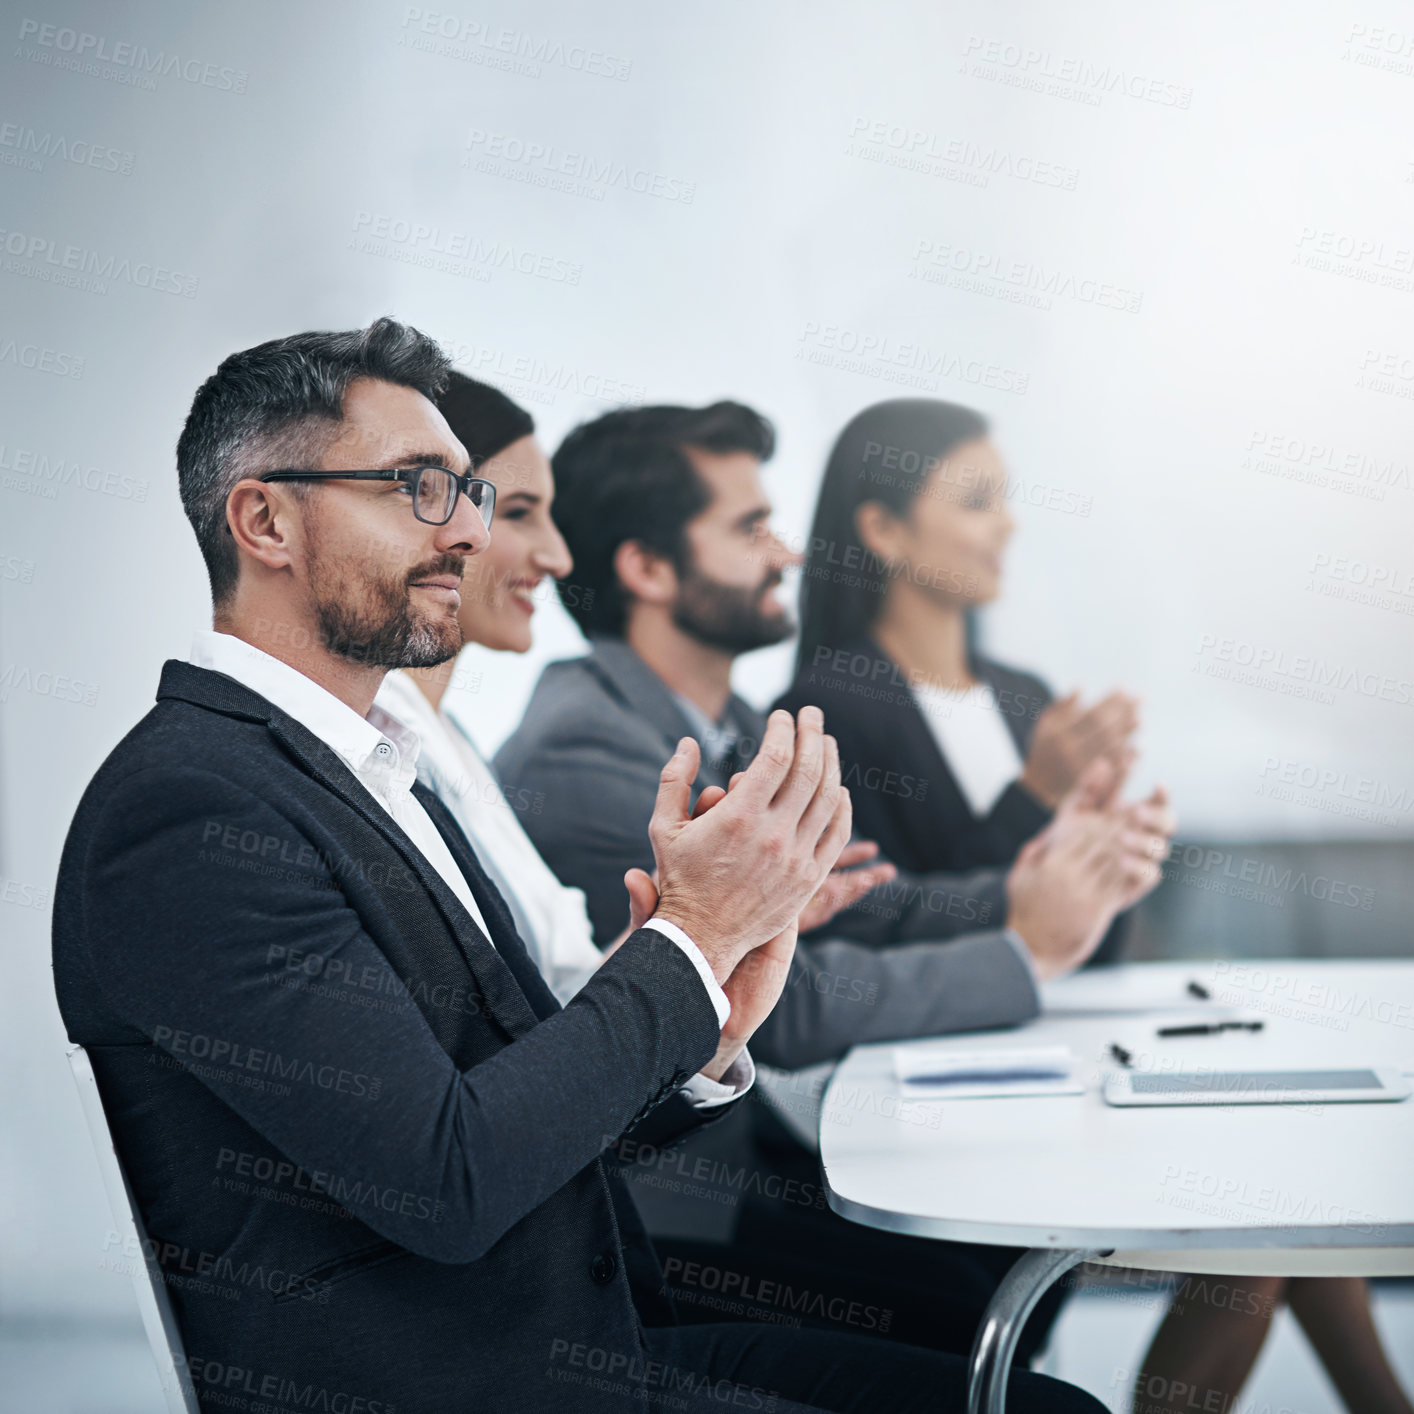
(549, 916)
(973, 739)
(382, 752)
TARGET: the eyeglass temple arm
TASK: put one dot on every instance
(341, 475)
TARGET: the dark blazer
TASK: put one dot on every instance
(590, 748)
(882, 734)
(367, 1141)
(904, 792)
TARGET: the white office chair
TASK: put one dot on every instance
(148, 1286)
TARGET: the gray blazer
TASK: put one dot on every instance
(912, 958)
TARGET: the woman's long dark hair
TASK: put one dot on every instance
(884, 454)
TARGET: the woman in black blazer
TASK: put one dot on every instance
(954, 761)
(905, 794)
(907, 542)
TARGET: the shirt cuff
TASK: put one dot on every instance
(737, 1079)
(720, 1004)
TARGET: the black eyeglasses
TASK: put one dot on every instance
(434, 488)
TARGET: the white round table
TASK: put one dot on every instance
(1290, 1190)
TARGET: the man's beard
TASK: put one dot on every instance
(373, 621)
(729, 616)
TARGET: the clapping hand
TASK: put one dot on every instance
(1069, 736)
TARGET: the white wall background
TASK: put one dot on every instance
(1240, 444)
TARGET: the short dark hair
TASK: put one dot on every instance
(626, 476)
(279, 404)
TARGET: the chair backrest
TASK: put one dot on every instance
(148, 1286)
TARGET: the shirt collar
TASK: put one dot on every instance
(400, 698)
(356, 739)
(715, 737)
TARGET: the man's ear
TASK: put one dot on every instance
(644, 574)
(263, 523)
(877, 528)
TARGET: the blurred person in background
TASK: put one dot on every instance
(910, 530)
(909, 533)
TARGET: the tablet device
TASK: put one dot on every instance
(1256, 1087)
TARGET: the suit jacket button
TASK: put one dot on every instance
(602, 1268)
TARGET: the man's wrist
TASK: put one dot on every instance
(694, 955)
(684, 925)
(727, 1052)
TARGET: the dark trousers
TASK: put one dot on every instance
(808, 1267)
(833, 1275)
(783, 1371)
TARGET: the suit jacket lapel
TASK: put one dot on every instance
(912, 740)
(496, 979)
(630, 679)
(1019, 724)
(908, 737)
(498, 984)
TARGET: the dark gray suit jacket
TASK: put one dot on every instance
(367, 1141)
(593, 742)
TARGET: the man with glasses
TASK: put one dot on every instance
(364, 1137)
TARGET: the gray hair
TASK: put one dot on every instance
(279, 405)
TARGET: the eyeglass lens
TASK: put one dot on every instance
(436, 495)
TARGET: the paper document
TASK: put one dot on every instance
(938, 1073)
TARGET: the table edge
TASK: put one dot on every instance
(1270, 1236)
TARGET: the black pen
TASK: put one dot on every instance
(1210, 1028)
(1125, 1058)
